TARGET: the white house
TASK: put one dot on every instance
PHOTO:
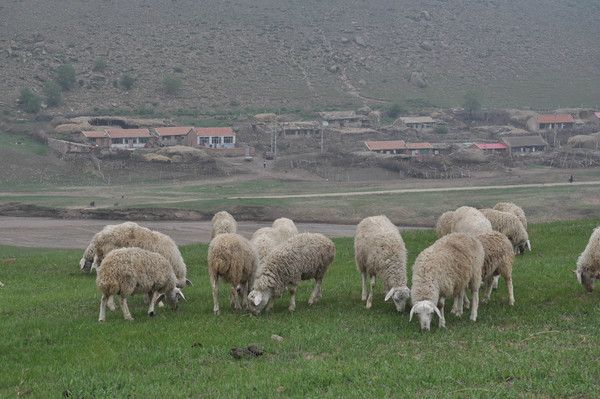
(128, 138)
(215, 137)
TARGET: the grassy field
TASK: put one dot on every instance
(51, 344)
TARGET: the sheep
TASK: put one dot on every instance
(380, 251)
(498, 260)
(509, 225)
(223, 223)
(588, 263)
(302, 257)
(514, 209)
(286, 228)
(88, 260)
(267, 238)
(128, 271)
(470, 221)
(444, 224)
(445, 269)
(130, 234)
(232, 258)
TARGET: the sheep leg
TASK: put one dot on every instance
(103, 301)
(292, 306)
(111, 303)
(235, 300)
(155, 296)
(496, 280)
(214, 283)
(370, 297)
(125, 308)
(440, 306)
(244, 293)
(466, 302)
(269, 305)
(457, 305)
(475, 304)
(363, 280)
(509, 285)
(316, 294)
(487, 289)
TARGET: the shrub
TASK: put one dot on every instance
(472, 103)
(99, 65)
(127, 81)
(30, 102)
(53, 93)
(441, 129)
(171, 85)
(65, 76)
(394, 110)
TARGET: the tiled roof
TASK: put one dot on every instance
(173, 131)
(126, 133)
(339, 115)
(214, 131)
(385, 145)
(416, 119)
(93, 134)
(555, 118)
(418, 146)
(524, 141)
(597, 114)
(491, 146)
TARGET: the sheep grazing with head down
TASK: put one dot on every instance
(231, 257)
(509, 225)
(128, 271)
(498, 261)
(285, 227)
(514, 209)
(446, 269)
(470, 221)
(444, 224)
(588, 263)
(380, 251)
(223, 223)
(267, 238)
(302, 257)
(88, 260)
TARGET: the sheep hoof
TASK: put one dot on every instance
(216, 312)
(101, 320)
(292, 308)
(129, 318)
(151, 314)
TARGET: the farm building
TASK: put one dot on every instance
(301, 128)
(215, 137)
(386, 147)
(400, 147)
(96, 137)
(341, 119)
(417, 122)
(179, 135)
(525, 144)
(551, 122)
(490, 147)
(129, 138)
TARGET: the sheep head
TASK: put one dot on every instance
(85, 265)
(257, 300)
(424, 309)
(584, 278)
(400, 296)
(173, 297)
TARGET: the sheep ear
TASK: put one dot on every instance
(389, 294)
(179, 294)
(437, 311)
(412, 311)
(188, 282)
(257, 299)
(528, 245)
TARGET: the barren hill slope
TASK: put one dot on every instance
(304, 54)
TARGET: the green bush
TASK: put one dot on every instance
(53, 93)
(127, 81)
(472, 103)
(171, 85)
(99, 65)
(441, 129)
(65, 76)
(394, 110)
(30, 102)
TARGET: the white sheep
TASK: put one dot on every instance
(498, 261)
(266, 239)
(514, 209)
(223, 223)
(302, 257)
(588, 263)
(445, 269)
(509, 225)
(231, 257)
(128, 271)
(380, 251)
(444, 224)
(471, 221)
(286, 228)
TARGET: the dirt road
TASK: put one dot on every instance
(61, 233)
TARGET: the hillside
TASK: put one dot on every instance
(304, 54)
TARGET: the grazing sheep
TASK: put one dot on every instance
(133, 235)
(498, 260)
(286, 228)
(128, 271)
(232, 258)
(223, 223)
(469, 220)
(88, 260)
(302, 257)
(444, 224)
(509, 225)
(514, 209)
(445, 269)
(380, 251)
(588, 263)
(266, 239)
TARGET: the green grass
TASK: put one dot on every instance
(22, 143)
(546, 346)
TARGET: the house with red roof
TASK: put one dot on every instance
(386, 147)
(129, 138)
(214, 137)
(177, 135)
(551, 122)
(490, 147)
(400, 147)
(98, 138)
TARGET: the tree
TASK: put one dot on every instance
(394, 110)
(65, 76)
(127, 81)
(53, 93)
(99, 65)
(441, 129)
(30, 102)
(171, 85)
(472, 103)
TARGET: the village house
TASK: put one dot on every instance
(179, 135)
(419, 149)
(400, 147)
(129, 138)
(416, 122)
(525, 144)
(386, 147)
(300, 128)
(97, 138)
(551, 122)
(341, 119)
(491, 148)
(215, 137)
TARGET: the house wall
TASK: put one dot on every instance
(129, 142)
(216, 141)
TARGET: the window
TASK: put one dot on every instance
(143, 140)
(116, 141)
(215, 140)
(203, 141)
(228, 139)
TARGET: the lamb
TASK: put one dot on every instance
(303, 257)
(498, 260)
(380, 251)
(445, 269)
(130, 234)
(469, 220)
(588, 263)
(128, 271)
(223, 223)
(444, 224)
(514, 209)
(232, 258)
(509, 225)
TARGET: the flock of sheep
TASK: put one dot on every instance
(474, 248)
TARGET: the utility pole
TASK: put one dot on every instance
(324, 125)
